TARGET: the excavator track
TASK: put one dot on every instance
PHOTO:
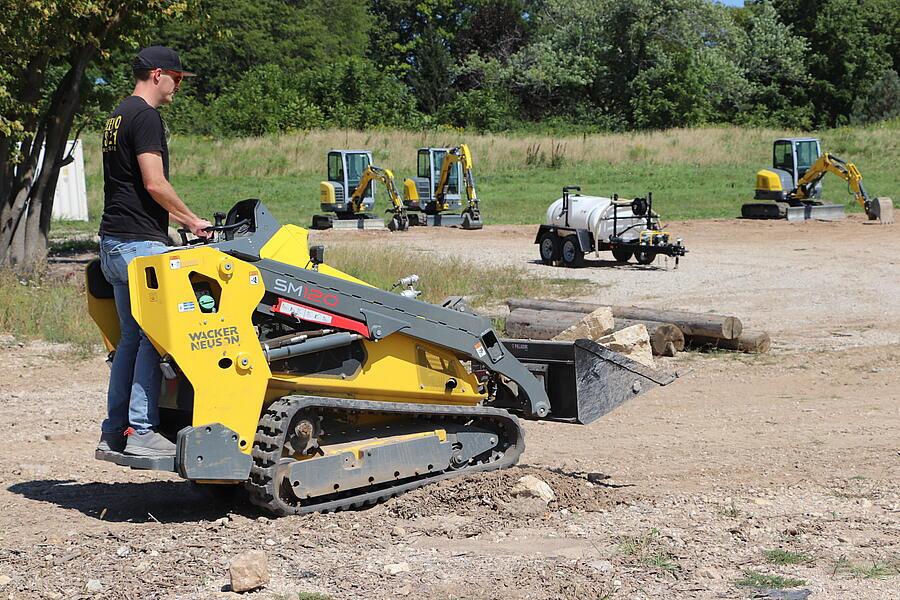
(267, 475)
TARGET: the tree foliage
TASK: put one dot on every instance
(47, 48)
(268, 66)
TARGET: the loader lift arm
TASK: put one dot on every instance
(875, 208)
(400, 221)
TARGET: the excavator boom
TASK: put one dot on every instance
(881, 209)
(399, 221)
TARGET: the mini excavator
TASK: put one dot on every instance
(319, 392)
(353, 170)
(794, 184)
(442, 175)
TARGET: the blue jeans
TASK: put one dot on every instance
(135, 380)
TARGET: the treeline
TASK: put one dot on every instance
(267, 66)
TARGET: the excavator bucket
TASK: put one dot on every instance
(882, 210)
(583, 379)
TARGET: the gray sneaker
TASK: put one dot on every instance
(111, 442)
(149, 444)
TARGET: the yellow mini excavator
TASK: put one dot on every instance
(353, 170)
(319, 392)
(793, 185)
(443, 174)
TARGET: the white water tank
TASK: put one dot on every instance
(595, 214)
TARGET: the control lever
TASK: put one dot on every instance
(219, 218)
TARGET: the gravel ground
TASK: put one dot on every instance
(682, 493)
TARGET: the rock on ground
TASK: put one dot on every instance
(591, 327)
(249, 571)
(633, 342)
(531, 486)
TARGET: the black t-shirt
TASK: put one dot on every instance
(129, 212)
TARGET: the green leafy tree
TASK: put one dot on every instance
(851, 45)
(350, 96)
(265, 101)
(46, 50)
(430, 75)
(882, 102)
(639, 62)
(234, 36)
(413, 39)
(774, 61)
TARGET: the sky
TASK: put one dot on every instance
(732, 2)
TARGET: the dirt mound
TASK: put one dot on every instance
(481, 492)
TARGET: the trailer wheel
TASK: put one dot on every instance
(644, 257)
(549, 247)
(572, 255)
(622, 254)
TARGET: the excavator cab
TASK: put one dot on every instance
(345, 169)
(791, 158)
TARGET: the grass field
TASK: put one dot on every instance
(693, 173)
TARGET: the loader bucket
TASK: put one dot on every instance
(583, 379)
(881, 209)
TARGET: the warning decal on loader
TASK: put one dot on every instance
(311, 315)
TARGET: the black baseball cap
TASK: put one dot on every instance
(159, 57)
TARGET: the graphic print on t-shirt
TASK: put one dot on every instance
(111, 134)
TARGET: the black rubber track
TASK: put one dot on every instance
(272, 431)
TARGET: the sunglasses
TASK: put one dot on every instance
(175, 75)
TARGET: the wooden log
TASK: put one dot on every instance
(547, 324)
(754, 342)
(661, 335)
(581, 307)
(690, 323)
(525, 323)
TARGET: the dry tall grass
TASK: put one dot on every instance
(54, 311)
(303, 153)
(441, 276)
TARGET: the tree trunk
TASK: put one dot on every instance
(26, 215)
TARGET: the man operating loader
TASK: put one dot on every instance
(138, 202)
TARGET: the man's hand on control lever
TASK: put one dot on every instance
(198, 226)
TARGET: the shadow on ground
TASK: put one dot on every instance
(613, 264)
(163, 501)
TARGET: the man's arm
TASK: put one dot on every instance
(162, 192)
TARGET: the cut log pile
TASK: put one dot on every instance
(669, 331)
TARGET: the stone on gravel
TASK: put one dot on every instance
(94, 586)
(4, 580)
(633, 342)
(710, 573)
(397, 568)
(398, 531)
(249, 571)
(123, 551)
(601, 566)
(531, 486)
(592, 327)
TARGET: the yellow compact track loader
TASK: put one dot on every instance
(319, 392)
